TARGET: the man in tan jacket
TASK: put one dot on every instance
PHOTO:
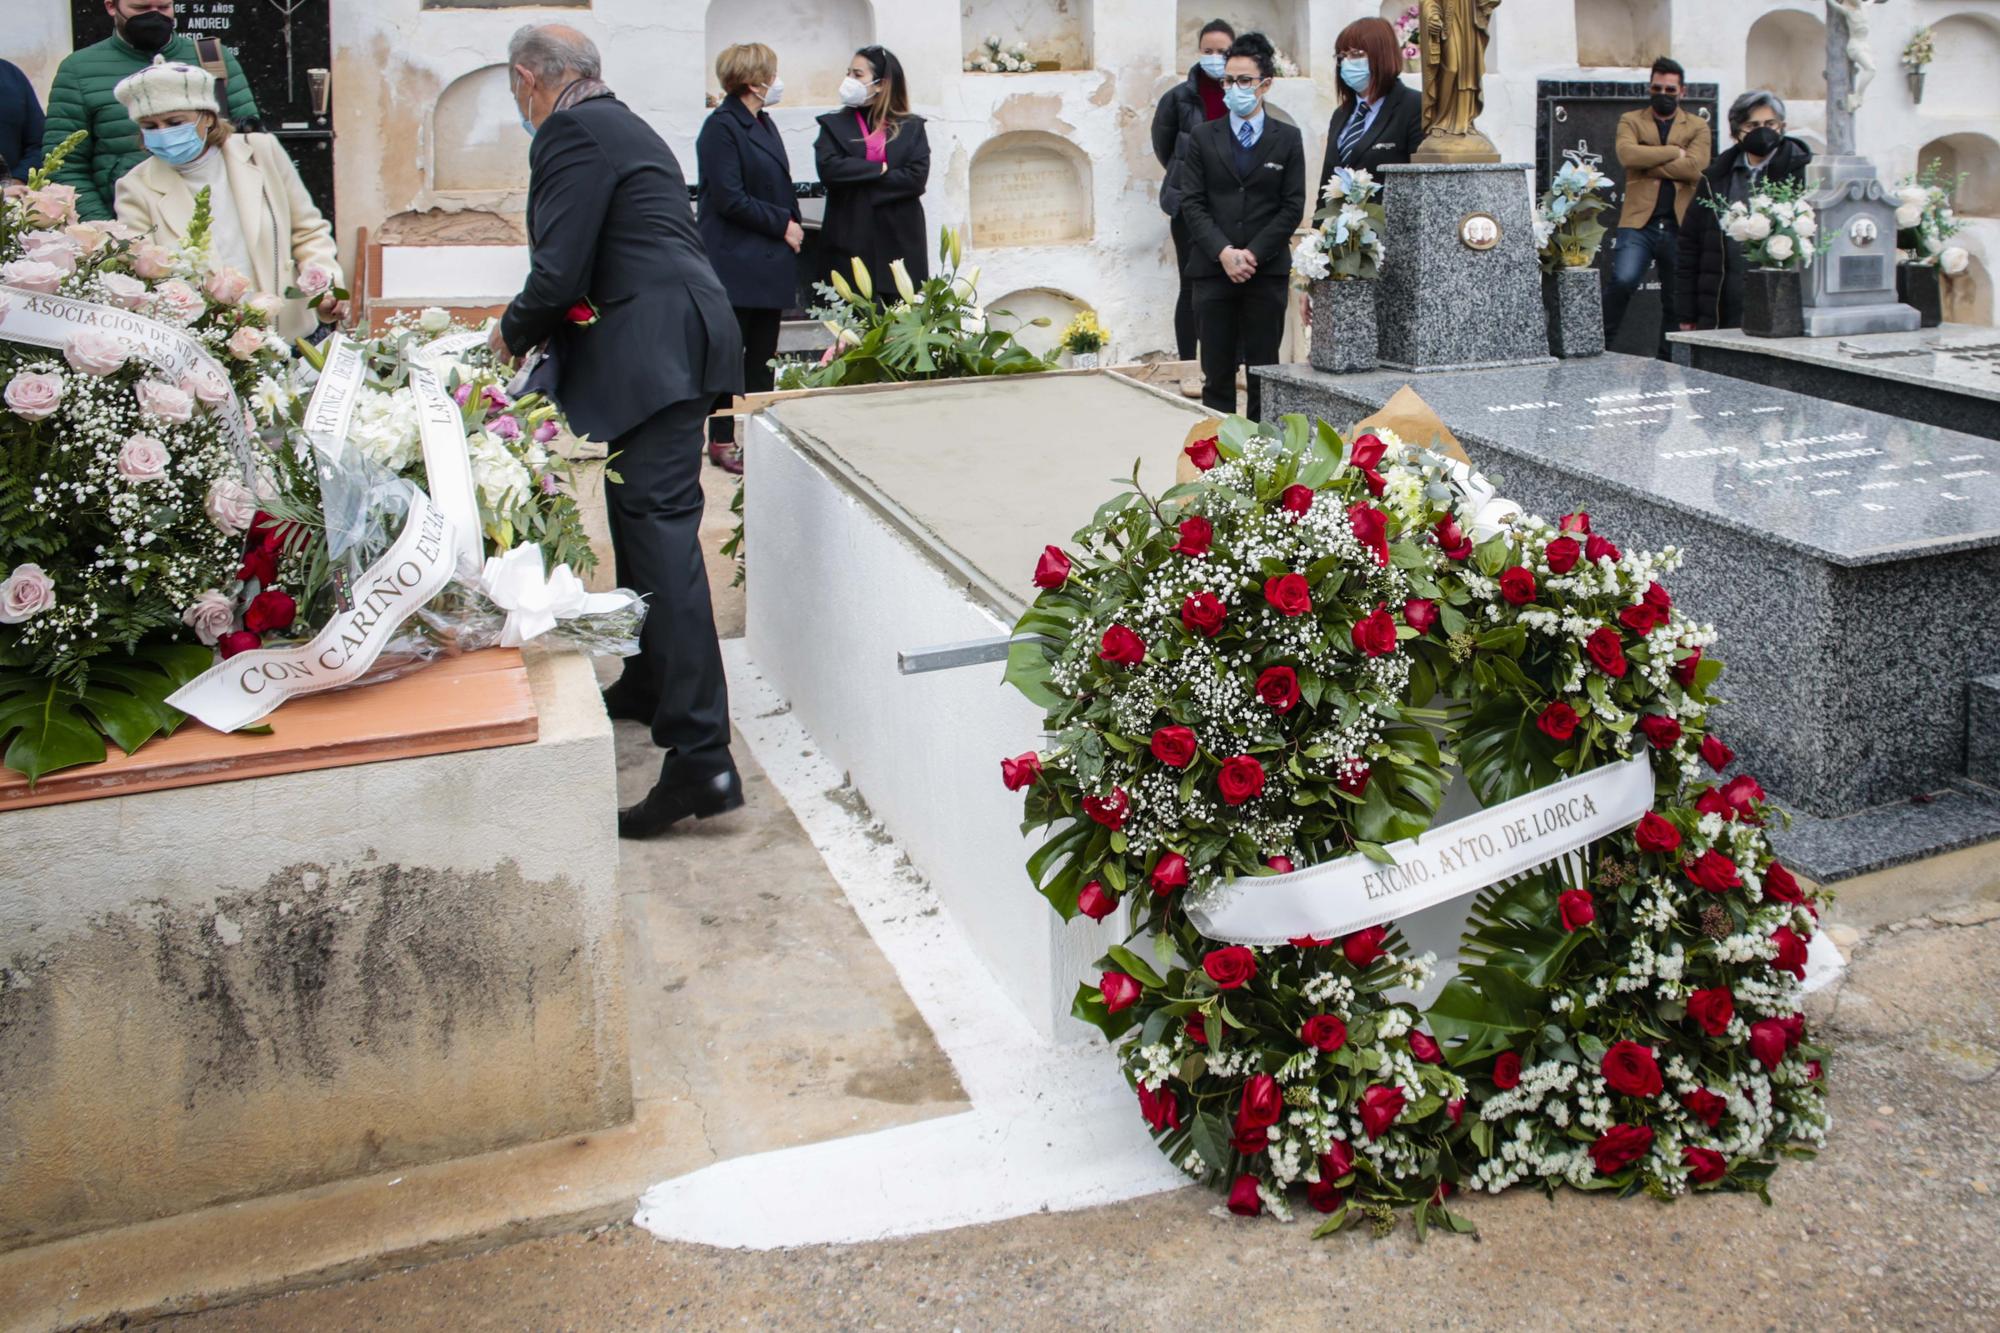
(1664, 150)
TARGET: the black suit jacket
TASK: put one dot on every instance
(1390, 140)
(1257, 211)
(876, 215)
(744, 205)
(608, 220)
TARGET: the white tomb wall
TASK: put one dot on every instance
(1058, 30)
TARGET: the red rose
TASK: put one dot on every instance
(1162, 1109)
(1371, 529)
(1743, 795)
(1596, 548)
(1094, 902)
(1710, 802)
(1453, 542)
(1660, 729)
(1517, 585)
(1424, 1049)
(1714, 753)
(1289, 593)
(1657, 598)
(1281, 864)
(1631, 1069)
(1705, 1165)
(1715, 872)
(1639, 618)
(1324, 1032)
(1230, 967)
(1368, 452)
(1455, 1108)
(1656, 835)
(1813, 1070)
(1052, 570)
(1607, 650)
(1196, 534)
(1353, 777)
(1705, 1106)
(1262, 1103)
(1119, 991)
(1021, 771)
(1577, 522)
(1244, 1200)
(238, 641)
(1420, 614)
(1379, 1107)
(1170, 872)
(1174, 746)
(1795, 1030)
(1576, 908)
(1203, 613)
(1249, 1142)
(1121, 647)
(1767, 1042)
(1619, 1147)
(1791, 952)
(1278, 687)
(270, 611)
(1241, 779)
(1338, 1163)
(1780, 887)
(1203, 453)
(1562, 555)
(1557, 721)
(1685, 668)
(1297, 500)
(1375, 633)
(1323, 1195)
(1196, 1027)
(1712, 1009)
(1507, 1070)
(583, 314)
(260, 562)
(1363, 947)
(1109, 811)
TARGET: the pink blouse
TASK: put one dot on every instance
(877, 141)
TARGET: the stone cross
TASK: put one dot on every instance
(1850, 66)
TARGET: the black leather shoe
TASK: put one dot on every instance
(623, 705)
(669, 803)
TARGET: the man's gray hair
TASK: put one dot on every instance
(548, 51)
(1740, 109)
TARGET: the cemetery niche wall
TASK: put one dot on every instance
(1030, 188)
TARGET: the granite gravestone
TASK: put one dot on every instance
(1850, 560)
(1461, 284)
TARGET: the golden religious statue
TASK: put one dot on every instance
(1454, 34)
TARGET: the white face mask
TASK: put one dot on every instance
(775, 93)
(853, 92)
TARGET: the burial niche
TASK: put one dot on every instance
(1030, 188)
(812, 40)
(1055, 31)
(1960, 81)
(1785, 53)
(477, 144)
(1978, 157)
(1968, 296)
(1283, 21)
(1623, 34)
(1031, 303)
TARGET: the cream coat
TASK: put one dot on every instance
(282, 228)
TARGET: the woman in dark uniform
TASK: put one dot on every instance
(1377, 121)
(875, 160)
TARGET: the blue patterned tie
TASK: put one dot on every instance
(1351, 136)
(1249, 139)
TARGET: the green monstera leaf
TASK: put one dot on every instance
(47, 725)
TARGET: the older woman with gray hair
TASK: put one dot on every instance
(1709, 276)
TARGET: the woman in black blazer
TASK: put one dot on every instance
(1371, 60)
(874, 160)
(749, 219)
(1242, 202)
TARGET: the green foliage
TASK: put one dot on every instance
(48, 725)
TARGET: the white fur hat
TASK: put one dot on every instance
(162, 87)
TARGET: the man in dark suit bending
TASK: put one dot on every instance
(643, 339)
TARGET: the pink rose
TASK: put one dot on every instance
(178, 303)
(95, 352)
(151, 261)
(51, 247)
(89, 237)
(230, 506)
(143, 458)
(52, 205)
(507, 428)
(226, 285)
(246, 342)
(164, 402)
(32, 275)
(27, 592)
(547, 431)
(206, 384)
(265, 305)
(315, 280)
(210, 616)
(34, 394)
(125, 291)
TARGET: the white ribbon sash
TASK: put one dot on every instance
(1442, 863)
(40, 320)
(448, 467)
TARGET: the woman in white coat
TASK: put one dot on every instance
(263, 224)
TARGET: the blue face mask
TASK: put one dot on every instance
(528, 125)
(176, 144)
(1240, 100)
(1354, 72)
(1213, 65)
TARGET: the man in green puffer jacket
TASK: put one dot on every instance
(81, 99)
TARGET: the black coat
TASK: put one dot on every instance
(1708, 280)
(1257, 211)
(1180, 112)
(873, 215)
(608, 219)
(1390, 140)
(744, 204)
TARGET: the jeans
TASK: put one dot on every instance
(1633, 251)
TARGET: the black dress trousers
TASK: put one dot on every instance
(1242, 324)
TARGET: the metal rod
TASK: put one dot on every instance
(950, 656)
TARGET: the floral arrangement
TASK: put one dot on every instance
(1406, 33)
(1925, 220)
(1776, 227)
(996, 57)
(1567, 232)
(124, 504)
(1277, 665)
(1920, 50)
(1084, 334)
(1346, 241)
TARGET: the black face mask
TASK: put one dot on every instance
(1761, 141)
(1664, 104)
(149, 32)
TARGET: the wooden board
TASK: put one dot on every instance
(476, 702)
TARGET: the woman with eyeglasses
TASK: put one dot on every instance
(875, 160)
(1243, 194)
(1377, 121)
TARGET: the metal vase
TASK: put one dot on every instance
(1773, 303)
(1343, 326)
(1916, 77)
(1575, 301)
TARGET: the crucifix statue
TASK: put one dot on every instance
(1453, 34)
(1850, 67)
